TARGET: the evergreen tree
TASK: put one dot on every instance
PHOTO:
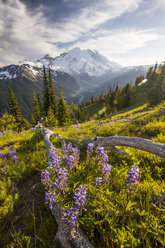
(37, 109)
(63, 113)
(53, 98)
(51, 119)
(111, 97)
(126, 92)
(13, 106)
(39, 102)
(46, 93)
(139, 80)
(7, 122)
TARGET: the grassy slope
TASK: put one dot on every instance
(139, 96)
(111, 220)
(25, 220)
(28, 219)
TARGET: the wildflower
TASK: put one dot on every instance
(64, 148)
(159, 202)
(15, 159)
(102, 155)
(76, 153)
(106, 169)
(80, 197)
(90, 147)
(55, 158)
(11, 152)
(70, 161)
(69, 147)
(61, 179)
(71, 216)
(2, 155)
(50, 198)
(45, 179)
(98, 181)
(133, 176)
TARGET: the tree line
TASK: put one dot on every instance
(54, 111)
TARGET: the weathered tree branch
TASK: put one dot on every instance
(111, 142)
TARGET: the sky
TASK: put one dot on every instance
(129, 32)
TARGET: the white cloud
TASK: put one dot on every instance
(119, 42)
(27, 35)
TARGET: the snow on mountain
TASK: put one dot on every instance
(14, 71)
(77, 61)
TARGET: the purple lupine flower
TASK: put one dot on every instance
(11, 152)
(98, 181)
(159, 202)
(50, 198)
(61, 179)
(64, 148)
(106, 170)
(102, 155)
(133, 176)
(71, 216)
(162, 201)
(80, 197)
(90, 147)
(55, 158)
(89, 151)
(69, 147)
(2, 155)
(70, 161)
(100, 151)
(45, 179)
(76, 154)
(15, 159)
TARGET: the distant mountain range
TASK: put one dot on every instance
(81, 72)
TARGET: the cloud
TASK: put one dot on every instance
(119, 42)
(24, 34)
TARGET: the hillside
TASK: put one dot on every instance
(82, 73)
(111, 211)
(151, 90)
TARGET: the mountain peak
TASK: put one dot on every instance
(78, 61)
(47, 56)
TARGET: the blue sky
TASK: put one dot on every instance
(129, 32)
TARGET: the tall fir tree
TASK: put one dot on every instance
(13, 106)
(51, 119)
(46, 93)
(37, 108)
(53, 98)
(63, 112)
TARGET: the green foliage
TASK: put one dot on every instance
(37, 109)
(114, 217)
(53, 98)
(7, 122)
(20, 241)
(51, 119)
(46, 93)
(36, 222)
(13, 106)
(63, 112)
(157, 84)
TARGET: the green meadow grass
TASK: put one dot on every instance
(25, 220)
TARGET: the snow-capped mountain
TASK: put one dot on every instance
(76, 62)
(14, 71)
(82, 73)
